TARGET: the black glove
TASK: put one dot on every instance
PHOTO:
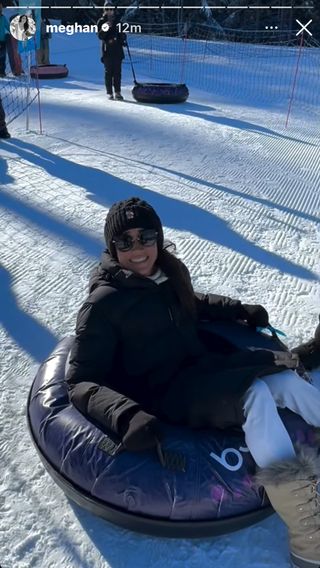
(255, 315)
(143, 432)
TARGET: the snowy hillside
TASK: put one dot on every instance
(236, 191)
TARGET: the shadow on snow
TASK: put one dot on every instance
(105, 189)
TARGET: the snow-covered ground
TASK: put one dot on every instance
(237, 192)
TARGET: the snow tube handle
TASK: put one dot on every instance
(274, 332)
(110, 447)
(171, 460)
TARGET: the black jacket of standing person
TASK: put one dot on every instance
(139, 351)
(113, 39)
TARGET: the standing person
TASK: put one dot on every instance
(3, 126)
(4, 32)
(140, 357)
(43, 57)
(113, 41)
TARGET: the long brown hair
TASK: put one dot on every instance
(180, 279)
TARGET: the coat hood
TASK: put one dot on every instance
(110, 272)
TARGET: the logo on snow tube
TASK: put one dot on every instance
(222, 460)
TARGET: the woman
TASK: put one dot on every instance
(25, 28)
(140, 356)
(113, 40)
(22, 27)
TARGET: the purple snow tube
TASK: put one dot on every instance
(204, 487)
(165, 93)
(50, 71)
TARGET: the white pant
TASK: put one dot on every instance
(265, 434)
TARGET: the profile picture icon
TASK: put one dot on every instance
(22, 27)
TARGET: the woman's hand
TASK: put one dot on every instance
(255, 315)
(143, 432)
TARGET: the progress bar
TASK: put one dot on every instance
(165, 7)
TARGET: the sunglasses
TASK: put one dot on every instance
(146, 238)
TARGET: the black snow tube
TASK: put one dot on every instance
(160, 93)
(203, 487)
(51, 71)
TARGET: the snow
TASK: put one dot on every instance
(237, 192)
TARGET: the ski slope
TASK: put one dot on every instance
(239, 195)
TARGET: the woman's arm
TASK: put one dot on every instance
(91, 370)
(215, 307)
(92, 380)
(104, 35)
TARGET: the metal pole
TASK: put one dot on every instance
(295, 79)
(182, 14)
(28, 91)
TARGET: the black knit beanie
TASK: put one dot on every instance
(132, 213)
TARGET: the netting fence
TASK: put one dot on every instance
(17, 89)
(247, 66)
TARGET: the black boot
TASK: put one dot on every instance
(309, 353)
(4, 133)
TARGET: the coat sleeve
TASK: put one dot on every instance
(91, 370)
(111, 32)
(103, 35)
(215, 307)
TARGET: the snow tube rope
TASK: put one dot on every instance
(157, 92)
(201, 486)
(51, 71)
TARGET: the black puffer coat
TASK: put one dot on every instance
(135, 349)
(112, 40)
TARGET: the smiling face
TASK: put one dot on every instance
(140, 259)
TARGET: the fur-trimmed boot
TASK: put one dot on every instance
(293, 488)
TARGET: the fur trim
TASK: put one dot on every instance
(305, 466)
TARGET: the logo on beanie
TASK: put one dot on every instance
(130, 214)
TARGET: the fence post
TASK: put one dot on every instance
(295, 79)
